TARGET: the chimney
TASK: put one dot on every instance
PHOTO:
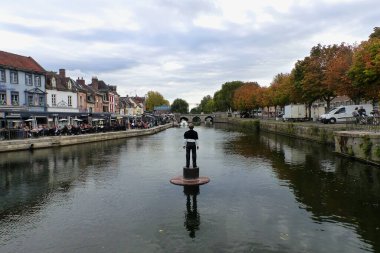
(95, 83)
(81, 81)
(62, 73)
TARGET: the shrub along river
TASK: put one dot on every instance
(267, 194)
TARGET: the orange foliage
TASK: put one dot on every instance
(245, 97)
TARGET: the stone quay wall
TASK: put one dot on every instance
(55, 141)
(363, 145)
(360, 145)
(304, 130)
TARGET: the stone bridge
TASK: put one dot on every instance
(195, 118)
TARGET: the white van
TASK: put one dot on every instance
(343, 113)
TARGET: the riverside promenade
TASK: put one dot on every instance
(56, 141)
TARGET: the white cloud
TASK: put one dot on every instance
(171, 66)
(183, 49)
(207, 21)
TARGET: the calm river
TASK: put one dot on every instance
(267, 194)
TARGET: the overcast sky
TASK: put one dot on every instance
(181, 48)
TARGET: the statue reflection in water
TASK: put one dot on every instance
(192, 217)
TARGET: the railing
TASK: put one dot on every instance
(364, 123)
(14, 134)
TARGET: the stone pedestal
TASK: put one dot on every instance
(190, 173)
(190, 178)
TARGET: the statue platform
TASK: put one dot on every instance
(190, 177)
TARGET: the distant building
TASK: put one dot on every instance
(132, 106)
(62, 92)
(109, 95)
(22, 88)
(22, 83)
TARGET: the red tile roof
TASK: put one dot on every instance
(19, 62)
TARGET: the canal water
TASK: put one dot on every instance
(267, 194)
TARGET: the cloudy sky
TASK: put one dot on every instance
(181, 48)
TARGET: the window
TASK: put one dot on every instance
(28, 79)
(341, 110)
(3, 98)
(14, 77)
(37, 81)
(69, 101)
(2, 76)
(53, 100)
(53, 82)
(30, 100)
(41, 101)
(15, 98)
(69, 85)
(80, 101)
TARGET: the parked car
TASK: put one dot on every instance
(343, 113)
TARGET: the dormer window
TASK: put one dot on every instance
(69, 86)
(53, 82)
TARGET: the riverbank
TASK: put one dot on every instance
(309, 131)
(56, 141)
(363, 144)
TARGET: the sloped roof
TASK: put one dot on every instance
(61, 82)
(126, 101)
(138, 99)
(19, 62)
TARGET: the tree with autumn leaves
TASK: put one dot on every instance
(246, 97)
(327, 72)
(365, 69)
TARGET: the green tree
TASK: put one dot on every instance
(195, 110)
(207, 104)
(281, 89)
(180, 106)
(154, 98)
(305, 84)
(376, 33)
(223, 99)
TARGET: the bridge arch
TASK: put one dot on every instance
(197, 119)
(209, 118)
(183, 118)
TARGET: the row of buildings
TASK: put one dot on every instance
(28, 91)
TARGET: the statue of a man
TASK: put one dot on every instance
(190, 143)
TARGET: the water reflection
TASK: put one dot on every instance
(27, 179)
(332, 188)
(269, 194)
(192, 217)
